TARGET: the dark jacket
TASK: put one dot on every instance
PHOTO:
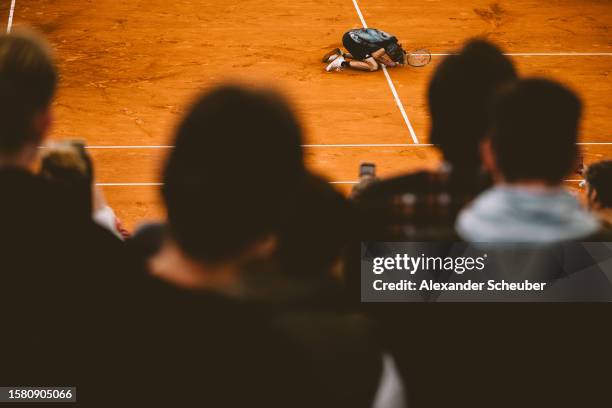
(199, 348)
(58, 271)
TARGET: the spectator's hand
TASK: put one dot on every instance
(125, 234)
(362, 185)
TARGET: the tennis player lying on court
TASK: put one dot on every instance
(367, 49)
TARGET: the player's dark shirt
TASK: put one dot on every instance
(371, 38)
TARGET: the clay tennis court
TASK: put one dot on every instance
(129, 68)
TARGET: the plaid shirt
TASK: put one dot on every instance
(419, 206)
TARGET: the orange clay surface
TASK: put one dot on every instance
(130, 67)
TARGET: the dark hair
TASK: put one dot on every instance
(599, 179)
(535, 128)
(396, 52)
(27, 83)
(316, 230)
(459, 95)
(233, 171)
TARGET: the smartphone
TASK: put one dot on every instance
(367, 170)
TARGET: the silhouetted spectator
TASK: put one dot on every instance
(234, 172)
(531, 150)
(599, 191)
(68, 162)
(423, 205)
(292, 288)
(302, 287)
(316, 231)
(57, 265)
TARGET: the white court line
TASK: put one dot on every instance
(130, 147)
(544, 54)
(160, 184)
(369, 145)
(310, 146)
(415, 140)
(363, 22)
(390, 82)
(330, 182)
(128, 184)
(305, 146)
(9, 25)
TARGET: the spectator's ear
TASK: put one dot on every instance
(488, 159)
(592, 198)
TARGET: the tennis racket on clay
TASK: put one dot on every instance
(418, 58)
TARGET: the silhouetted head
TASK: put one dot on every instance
(599, 181)
(317, 229)
(28, 79)
(234, 169)
(459, 94)
(534, 131)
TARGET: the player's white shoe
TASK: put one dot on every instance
(335, 65)
(332, 55)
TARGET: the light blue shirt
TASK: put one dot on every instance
(523, 214)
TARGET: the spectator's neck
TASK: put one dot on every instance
(531, 185)
(172, 265)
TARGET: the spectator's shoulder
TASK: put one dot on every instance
(604, 234)
(13, 179)
(28, 198)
